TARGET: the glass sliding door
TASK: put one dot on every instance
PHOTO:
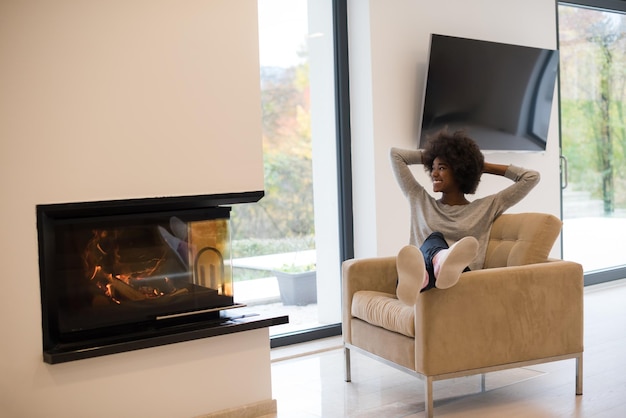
(286, 248)
(592, 45)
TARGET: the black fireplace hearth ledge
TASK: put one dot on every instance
(222, 324)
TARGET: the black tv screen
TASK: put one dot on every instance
(500, 94)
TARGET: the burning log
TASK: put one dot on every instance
(120, 290)
(131, 264)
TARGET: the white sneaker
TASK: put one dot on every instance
(452, 263)
(411, 271)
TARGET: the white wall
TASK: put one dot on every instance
(111, 100)
(388, 58)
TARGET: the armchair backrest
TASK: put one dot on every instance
(521, 238)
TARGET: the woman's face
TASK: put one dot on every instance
(442, 177)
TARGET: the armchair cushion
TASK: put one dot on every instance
(521, 238)
(384, 310)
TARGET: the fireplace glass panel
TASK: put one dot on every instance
(110, 275)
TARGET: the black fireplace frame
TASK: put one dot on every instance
(177, 328)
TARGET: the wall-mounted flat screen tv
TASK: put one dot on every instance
(500, 94)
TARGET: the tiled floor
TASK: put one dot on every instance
(308, 379)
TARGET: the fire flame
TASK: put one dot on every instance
(130, 272)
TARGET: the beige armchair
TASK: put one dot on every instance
(521, 309)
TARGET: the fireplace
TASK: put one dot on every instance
(120, 275)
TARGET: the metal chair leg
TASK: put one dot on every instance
(579, 375)
(428, 394)
(347, 371)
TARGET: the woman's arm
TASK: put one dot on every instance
(524, 181)
(400, 161)
(408, 156)
(497, 169)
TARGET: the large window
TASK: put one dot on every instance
(287, 247)
(592, 42)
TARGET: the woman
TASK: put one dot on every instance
(455, 165)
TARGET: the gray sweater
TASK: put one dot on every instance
(455, 222)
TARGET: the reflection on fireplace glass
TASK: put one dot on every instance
(111, 273)
(127, 264)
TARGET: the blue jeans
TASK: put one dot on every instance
(431, 246)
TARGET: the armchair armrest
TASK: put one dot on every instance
(500, 316)
(377, 274)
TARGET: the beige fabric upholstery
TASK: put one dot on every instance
(384, 310)
(520, 239)
(523, 307)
